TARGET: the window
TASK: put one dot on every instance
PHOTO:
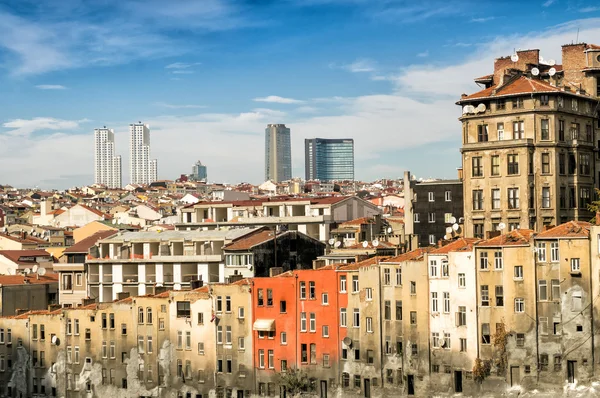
(499, 296)
(283, 338)
(355, 287)
(513, 198)
(271, 359)
(303, 321)
(500, 130)
(140, 315)
(446, 344)
(545, 163)
(545, 129)
(413, 287)
(498, 263)
(387, 310)
(542, 290)
(518, 130)
(482, 133)
(445, 271)
(546, 197)
(483, 261)
(398, 310)
(517, 103)
(356, 318)
(561, 164)
(495, 199)
(283, 306)
(369, 294)
(563, 197)
(183, 309)
(561, 129)
(477, 199)
(387, 278)
(555, 283)
(584, 197)
(304, 353)
(342, 284)
(543, 361)
(448, 196)
(432, 239)
(219, 335)
(357, 381)
(575, 129)
(260, 300)
(557, 363)
(431, 196)
(261, 358)
(446, 302)
(416, 218)
(369, 324)
(433, 268)
(477, 166)
(554, 257)
(228, 338)
(343, 317)
(575, 267)
(461, 316)
(485, 333)
(325, 331)
(544, 100)
(345, 380)
(313, 322)
(312, 290)
(434, 302)
(228, 301)
(241, 313)
(584, 164)
(398, 277)
(302, 290)
(200, 348)
(413, 317)
(324, 299)
(513, 164)
(462, 280)
(519, 305)
(485, 296)
(414, 349)
(574, 104)
(478, 230)
(500, 105)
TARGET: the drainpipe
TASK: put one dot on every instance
(537, 326)
(381, 322)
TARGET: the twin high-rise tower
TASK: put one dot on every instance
(108, 171)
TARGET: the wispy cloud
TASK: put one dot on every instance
(182, 65)
(482, 19)
(423, 54)
(50, 87)
(182, 72)
(184, 106)
(278, 100)
(589, 9)
(25, 127)
(361, 65)
(548, 3)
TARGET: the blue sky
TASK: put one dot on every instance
(209, 75)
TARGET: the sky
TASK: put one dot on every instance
(209, 75)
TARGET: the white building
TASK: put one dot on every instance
(107, 166)
(142, 170)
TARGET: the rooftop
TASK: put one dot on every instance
(571, 229)
(516, 237)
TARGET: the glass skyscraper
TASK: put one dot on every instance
(278, 153)
(329, 159)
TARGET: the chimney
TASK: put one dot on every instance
(573, 61)
(504, 64)
(196, 284)
(598, 218)
(274, 271)
(54, 307)
(122, 295)
(159, 289)
(460, 173)
(235, 278)
(21, 311)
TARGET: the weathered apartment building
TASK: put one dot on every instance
(529, 140)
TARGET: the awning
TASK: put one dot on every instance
(264, 325)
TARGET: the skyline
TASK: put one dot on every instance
(208, 79)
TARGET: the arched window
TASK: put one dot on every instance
(141, 315)
(149, 315)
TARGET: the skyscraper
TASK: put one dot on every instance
(278, 153)
(107, 166)
(142, 170)
(329, 159)
(199, 172)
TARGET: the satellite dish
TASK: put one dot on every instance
(481, 108)
(535, 71)
(471, 108)
(551, 62)
(331, 242)
(514, 57)
(465, 109)
(347, 341)
(55, 340)
(114, 222)
(455, 227)
(449, 230)
(447, 237)
(41, 271)
(32, 230)
(34, 268)
(390, 230)
(249, 266)
(365, 244)
(27, 271)
(452, 220)
(552, 72)
(375, 243)
(501, 226)
(337, 244)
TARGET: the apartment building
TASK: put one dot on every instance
(506, 307)
(314, 217)
(528, 141)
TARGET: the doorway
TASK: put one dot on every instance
(571, 371)
(515, 376)
(458, 381)
(410, 381)
(367, 384)
(323, 392)
(240, 393)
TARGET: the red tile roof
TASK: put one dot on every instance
(357, 221)
(516, 237)
(249, 241)
(84, 245)
(15, 255)
(571, 229)
(413, 255)
(10, 280)
(381, 245)
(520, 85)
(365, 263)
(456, 245)
(97, 212)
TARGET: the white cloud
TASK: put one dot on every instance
(360, 65)
(184, 106)
(50, 87)
(589, 9)
(307, 109)
(482, 19)
(25, 127)
(548, 3)
(182, 72)
(278, 100)
(181, 65)
(423, 54)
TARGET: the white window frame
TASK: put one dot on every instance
(575, 265)
(434, 302)
(462, 280)
(554, 252)
(431, 196)
(519, 305)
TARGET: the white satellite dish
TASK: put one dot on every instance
(390, 230)
(471, 108)
(114, 222)
(465, 109)
(447, 237)
(481, 108)
(55, 340)
(27, 271)
(375, 243)
(551, 62)
(501, 226)
(32, 230)
(41, 271)
(552, 72)
(337, 244)
(455, 227)
(452, 220)
(365, 244)
(449, 230)
(331, 242)
(34, 268)
(535, 71)
(514, 57)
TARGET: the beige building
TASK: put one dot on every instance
(528, 141)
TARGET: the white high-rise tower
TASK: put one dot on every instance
(142, 169)
(107, 166)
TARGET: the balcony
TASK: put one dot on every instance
(473, 146)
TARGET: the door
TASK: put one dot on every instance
(571, 371)
(323, 389)
(410, 381)
(515, 376)
(282, 392)
(240, 393)
(457, 381)
(367, 388)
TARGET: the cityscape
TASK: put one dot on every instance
(357, 251)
